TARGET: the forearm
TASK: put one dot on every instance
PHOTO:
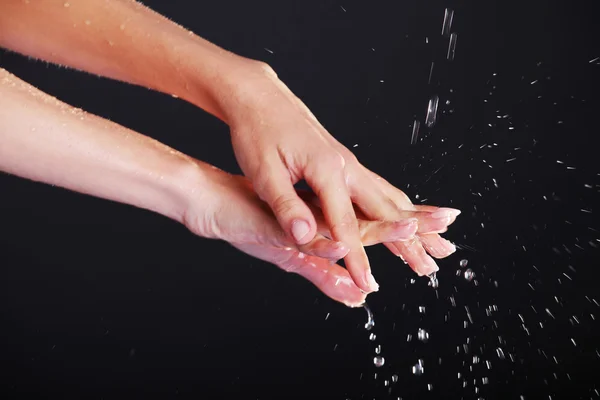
(45, 140)
(123, 40)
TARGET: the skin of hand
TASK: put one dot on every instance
(46, 140)
(277, 140)
(237, 215)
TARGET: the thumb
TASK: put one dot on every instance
(295, 218)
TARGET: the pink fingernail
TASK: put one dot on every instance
(429, 267)
(370, 280)
(449, 246)
(300, 229)
(445, 213)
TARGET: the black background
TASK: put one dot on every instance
(101, 300)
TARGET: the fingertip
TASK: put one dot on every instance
(300, 231)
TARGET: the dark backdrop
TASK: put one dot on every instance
(101, 300)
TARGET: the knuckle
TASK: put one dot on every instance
(266, 69)
(347, 224)
(283, 203)
(261, 179)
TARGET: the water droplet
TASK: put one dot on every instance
(378, 361)
(469, 274)
(433, 280)
(447, 25)
(370, 321)
(423, 335)
(378, 349)
(418, 368)
(422, 309)
(452, 46)
(500, 353)
(394, 378)
(372, 337)
(432, 107)
(415, 132)
(463, 263)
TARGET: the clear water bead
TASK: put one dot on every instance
(469, 274)
(433, 280)
(378, 361)
(418, 368)
(463, 263)
(370, 321)
(372, 337)
(422, 335)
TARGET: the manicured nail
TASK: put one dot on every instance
(449, 246)
(428, 267)
(370, 280)
(300, 229)
(445, 213)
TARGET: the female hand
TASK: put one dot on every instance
(278, 142)
(236, 214)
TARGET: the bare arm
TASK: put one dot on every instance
(45, 140)
(123, 40)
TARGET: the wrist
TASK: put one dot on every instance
(223, 83)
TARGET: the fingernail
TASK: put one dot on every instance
(370, 280)
(445, 213)
(449, 246)
(429, 267)
(300, 229)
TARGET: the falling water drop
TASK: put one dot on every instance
(378, 349)
(469, 274)
(432, 107)
(378, 361)
(500, 353)
(372, 337)
(394, 378)
(370, 321)
(452, 46)
(463, 263)
(422, 335)
(418, 368)
(433, 280)
(447, 25)
(415, 132)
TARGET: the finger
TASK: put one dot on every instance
(323, 247)
(333, 280)
(428, 220)
(343, 225)
(437, 246)
(413, 254)
(274, 186)
(376, 232)
(376, 205)
(453, 212)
